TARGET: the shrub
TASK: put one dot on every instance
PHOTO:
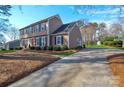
(57, 48)
(18, 48)
(118, 43)
(3, 49)
(84, 46)
(78, 47)
(113, 43)
(64, 47)
(37, 48)
(11, 49)
(108, 38)
(32, 48)
(50, 48)
(44, 48)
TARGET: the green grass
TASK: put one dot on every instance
(63, 54)
(99, 46)
(103, 46)
(7, 51)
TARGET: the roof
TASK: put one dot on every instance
(64, 28)
(43, 20)
(17, 40)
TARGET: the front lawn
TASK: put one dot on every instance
(100, 46)
(7, 51)
(116, 63)
(14, 66)
(97, 46)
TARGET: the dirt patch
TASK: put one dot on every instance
(116, 63)
(14, 66)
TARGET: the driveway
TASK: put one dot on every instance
(87, 68)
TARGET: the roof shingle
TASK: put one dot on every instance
(64, 28)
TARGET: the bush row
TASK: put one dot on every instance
(113, 43)
(55, 48)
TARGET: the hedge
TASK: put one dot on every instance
(113, 43)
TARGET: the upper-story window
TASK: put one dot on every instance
(21, 32)
(24, 31)
(27, 31)
(37, 28)
(43, 27)
(30, 30)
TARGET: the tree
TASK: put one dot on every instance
(13, 33)
(116, 29)
(4, 22)
(2, 39)
(4, 14)
(102, 31)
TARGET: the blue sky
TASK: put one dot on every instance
(68, 13)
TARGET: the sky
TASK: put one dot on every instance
(27, 14)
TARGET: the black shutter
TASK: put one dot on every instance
(62, 39)
(55, 40)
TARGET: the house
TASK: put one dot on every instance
(51, 32)
(1, 46)
(12, 45)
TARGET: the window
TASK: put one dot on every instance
(43, 41)
(21, 32)
(24, 31)
(78, 41)
(37, 41)
(58, 40)
(30, 30)
(37, 28)
(43, 27)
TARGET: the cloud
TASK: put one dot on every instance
(96, 11)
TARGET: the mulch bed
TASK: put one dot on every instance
(14, 66)
(53, 52)
(116, 63)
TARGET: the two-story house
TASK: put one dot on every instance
(50, 32)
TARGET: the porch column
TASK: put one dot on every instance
(48, 40)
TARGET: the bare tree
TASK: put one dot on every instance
(116, 29)
(2, 39)
(102, 31)
(13, 33)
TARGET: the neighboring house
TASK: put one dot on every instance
(89, 33)
(1, 46)
(50, 32)
(12, 45)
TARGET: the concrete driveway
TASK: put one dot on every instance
(87, 68)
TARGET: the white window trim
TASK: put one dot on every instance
(43, 41)
(60, 37)
(37, 38)
(37, 28)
